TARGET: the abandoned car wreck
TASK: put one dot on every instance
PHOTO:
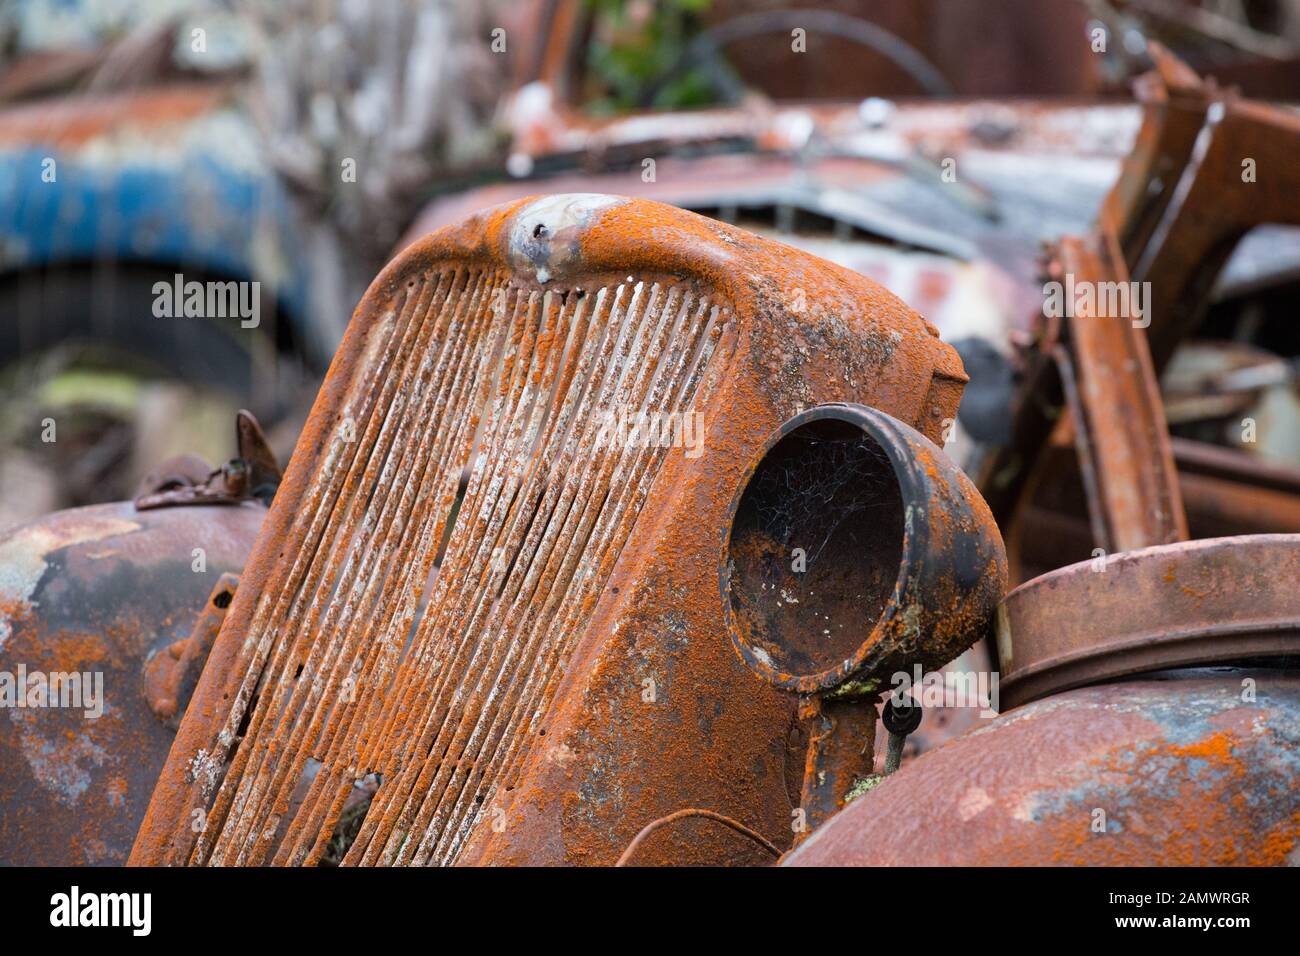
(644, 523)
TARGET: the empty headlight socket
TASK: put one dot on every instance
(856, 550)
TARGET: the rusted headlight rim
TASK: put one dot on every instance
(888, 433)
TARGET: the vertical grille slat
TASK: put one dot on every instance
(280, 593)
(413, 575)
(398, 530)
(364, 656)
(357, 519)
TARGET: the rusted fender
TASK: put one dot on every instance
(1186, 768)
(1217, 600)
(99, 592)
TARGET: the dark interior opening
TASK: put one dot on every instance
(815, 548)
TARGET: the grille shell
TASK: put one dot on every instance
(317, 683)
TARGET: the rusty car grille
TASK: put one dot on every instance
(421, 629)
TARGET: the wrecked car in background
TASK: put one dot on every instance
(128, 162)
(613, 526)
(1153, 699)
(545, 696)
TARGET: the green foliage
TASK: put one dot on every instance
(633, 45)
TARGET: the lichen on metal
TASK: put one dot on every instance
(492, 670)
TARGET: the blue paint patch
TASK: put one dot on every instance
(1271, 788)
(193, 211)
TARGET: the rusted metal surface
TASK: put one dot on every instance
(897, 560)
(841, 739)
(677, 825)
(1038, 58)
(1173, 111)
(171, 674)
(568, 606)
(1119, 418)
(1035, 54)
(1227, 464)
(188, 480)
(1224, 492)
(881, 175)
(1217, 508)
(1201, 602)
(98, 591)
(74, 121)
(866, 36)
(1210, 166)
(1097, 367)
(1185, 768)
(38, 74)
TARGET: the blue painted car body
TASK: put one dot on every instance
(191, 193)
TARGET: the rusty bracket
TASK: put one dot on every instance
(1119, 418)
(1208, 166)
(171, 675)
(841, 753)
(189, 480)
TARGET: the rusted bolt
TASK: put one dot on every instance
(900, 720)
